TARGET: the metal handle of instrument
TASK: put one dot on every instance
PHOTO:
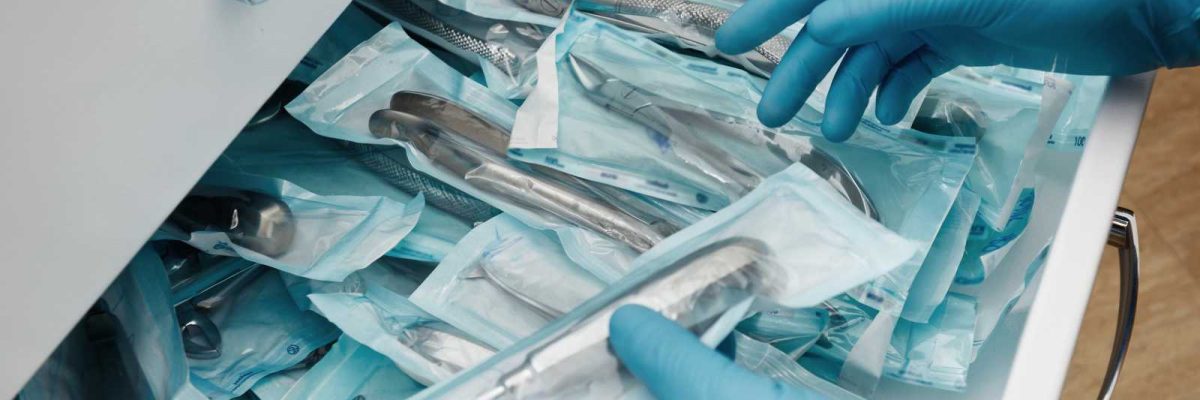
(1124, 236)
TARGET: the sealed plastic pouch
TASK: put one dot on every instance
(353, 371)
(341, 104)
(504, 282)
(502, 49)
(277, 223)
(261, 332)
(425, 348)
(285, 149)
(747, 251)
(943, 261)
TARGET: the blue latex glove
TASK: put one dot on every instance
(674, 364)
(900, 45)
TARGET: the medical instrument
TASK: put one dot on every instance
(437, 342)
(252, 220)
(392, 165)
(490, 173)
(455, 118)
(552, 8)
(659, 113)
(499, 56)
(692, 291)
(482, 271)
(201, 339)
(693, 23)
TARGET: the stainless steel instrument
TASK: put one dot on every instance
(391, 164)
(497, 55)
(484, 170)
(663, 114)
(690, 22)
(252, 220)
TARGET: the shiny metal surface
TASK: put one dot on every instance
(201, 338)
(440, 343)
(552, 8)
(252, 220)
(497, 55)
(1124, 236)
(658, 113)
(488, 172)
(482, 271)
(722, 274)
(689, 21)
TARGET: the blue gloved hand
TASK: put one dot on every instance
(674, 364)
(900, 45)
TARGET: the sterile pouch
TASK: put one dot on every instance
(935, 354)
(341, 104)
(347, 31)
(539, 12)
(771, 362)
(942, 262)
(261, 332)
(790, 330)
(277, 385)
(986, 247)
(398, 276)
(1011, 120)
(613, 86)
(353, 371)
(689, 25)
(1079, 115)
(504, 50)
(425, 348)
(790, 242)
(504, 281)
(129, 347)
(279, 224)
(283, 148)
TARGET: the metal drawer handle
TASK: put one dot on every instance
(1123, 235)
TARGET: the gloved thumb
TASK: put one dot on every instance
(674, 364)
(846, 23)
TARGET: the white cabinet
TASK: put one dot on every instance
(112, 110)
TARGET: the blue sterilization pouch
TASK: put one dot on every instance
(790, 242)
(986, 247)
(351, 371)
(504, 281)
(261, 332)
(341, 103)
(944, 259)
(540, 12)
(577, 125)
(425, 348)
(398, 276)
(283, 148)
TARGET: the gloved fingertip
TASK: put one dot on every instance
(773, 115)
(837, 130)
(889, 114)
(729, 41)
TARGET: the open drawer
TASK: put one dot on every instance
(1029, 352)
(234, 56)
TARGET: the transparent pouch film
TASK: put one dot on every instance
(945, 256)
(353, 371)
(620, 122)
(769, 361)
(934, 354)
(341, 104)
(277, 385)
(791, 331)
(1010, 118)
(277, 223)
(502, 49)
(546, 13)
(1079, 115)
(425, 348)
(987, 247)
(260, 330)
(689, 25)
(283, 148)
(397, 276)
(347, 31)
(694, 277)
(504, 282)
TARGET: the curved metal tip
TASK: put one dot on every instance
(264, 224)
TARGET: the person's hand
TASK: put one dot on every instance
(673, 364)
(900, 45)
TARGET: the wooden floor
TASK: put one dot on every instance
(1163, 189)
